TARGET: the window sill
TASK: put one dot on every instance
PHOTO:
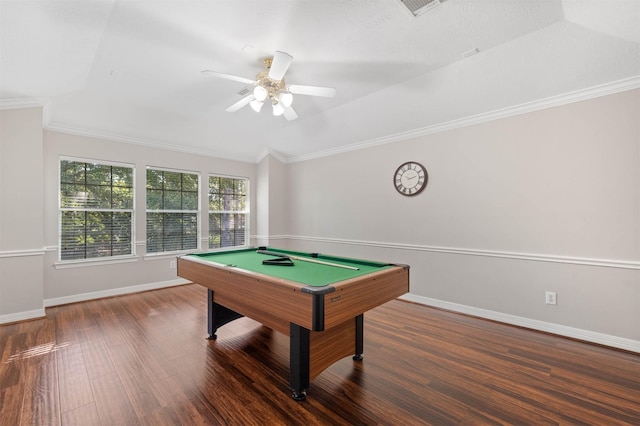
(174, 254)
(83, 263)
(168, 254)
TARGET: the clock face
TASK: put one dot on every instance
(410, 178)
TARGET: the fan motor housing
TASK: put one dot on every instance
(272, 86)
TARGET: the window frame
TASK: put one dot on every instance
(246, 212)
(98, 259)
(198, 212)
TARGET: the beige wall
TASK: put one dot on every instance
(21, 214)
(273, 199)
(544, 201)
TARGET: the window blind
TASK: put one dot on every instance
(172, 211)
(228, 211)
(96, 210)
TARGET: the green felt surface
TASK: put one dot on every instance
(307, 273)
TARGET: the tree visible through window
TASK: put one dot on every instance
(228, 211)
(172, 211)
(96, 210)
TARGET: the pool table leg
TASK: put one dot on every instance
(299, 361)
(211, 322)
(359, 338)
(299, 350)
(217, 315)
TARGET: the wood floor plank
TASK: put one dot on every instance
(74, 385)
(95, 353)
(139, 386)
(11, 398)
(41, 402)
(10, 358)
(112, 402)
(143, 359)
(81, 416)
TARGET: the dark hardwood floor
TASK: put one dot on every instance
(143, 359)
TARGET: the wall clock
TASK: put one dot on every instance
(410, 178)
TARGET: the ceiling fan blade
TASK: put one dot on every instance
(279, 65)
(327, 92)
(290, 114)
(242, 102)
(228, 77)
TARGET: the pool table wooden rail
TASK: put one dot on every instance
(276, 302)
(271, 301)
(356, 296)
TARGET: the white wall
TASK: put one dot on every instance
(21, 214)
(262, 199)
(548, 200)
(272, 199)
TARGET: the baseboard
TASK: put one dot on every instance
(561, 330)
(22, 316)
(82, 297)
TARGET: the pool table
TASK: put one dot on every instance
(318, 301)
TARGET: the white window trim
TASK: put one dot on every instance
(247, 213)
(197, 212)
(60, 264)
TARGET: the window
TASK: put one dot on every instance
(228, 211)
(96, 210)
(172, 211)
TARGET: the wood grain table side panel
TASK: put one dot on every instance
(270, 301)
(358, 295)
(331, 345)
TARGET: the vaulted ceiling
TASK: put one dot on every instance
(130, 70)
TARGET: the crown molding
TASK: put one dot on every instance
(270, 152)
(18, 103)
(550, 102)
(139, 141)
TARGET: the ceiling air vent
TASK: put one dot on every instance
(418, 7)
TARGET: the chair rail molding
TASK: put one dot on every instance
(463, 251)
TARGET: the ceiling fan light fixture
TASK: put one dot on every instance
(256, 105)
(286, 99)
(269, 86)
(277, 109)
(260, 93)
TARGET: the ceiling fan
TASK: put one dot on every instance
(271, 87)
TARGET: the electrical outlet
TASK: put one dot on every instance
(172, 264)
(550, 298)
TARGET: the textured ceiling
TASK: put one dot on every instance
(130, 70)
